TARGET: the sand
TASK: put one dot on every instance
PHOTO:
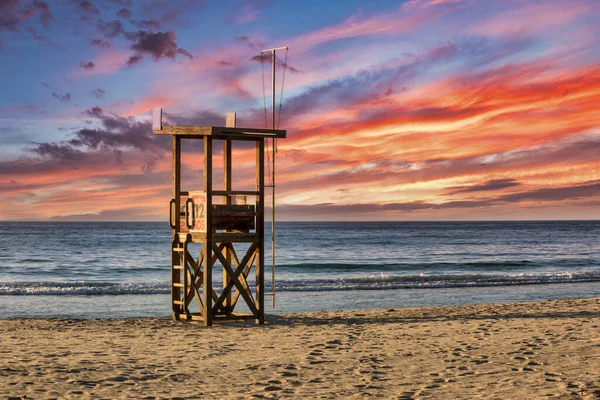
(549, 349)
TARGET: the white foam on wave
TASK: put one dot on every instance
(371, 282)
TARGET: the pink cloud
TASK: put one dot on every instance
(106, 63)
(147, 103)
(531, 17)
(384, 24)
(427, 3)
(244, 15)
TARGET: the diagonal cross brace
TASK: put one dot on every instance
(197, 280)
(234, 278)
(193, 269)
(243, 278)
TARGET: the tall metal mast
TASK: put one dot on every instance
(274, 150)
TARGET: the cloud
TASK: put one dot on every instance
(175, 12)
(100, 43)
(251, 44)
(45, 15)
(98, 93)
(490, 185)
(242, 15)
(197, 118)
(36, 36)
(95, 112)
(370, 84)
(20, 108)
(110, 29)
(327, 211)
(106, 62)
(88, 65)
(86, 8)
(135, 59)
(267, 58)
(118, 132)
(185, 53)
(427, 3)
(586, 189)
(158, 45)
(63, 98)
(517, 20)
(124, 13)
(58, 152)
(148, 24)
(245, 11)
(120, 215)
(125, 3)
(127, 140)
(392, 23)
(14, 13)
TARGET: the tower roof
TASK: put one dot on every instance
(221, 132)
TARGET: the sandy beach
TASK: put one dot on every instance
(548, 349)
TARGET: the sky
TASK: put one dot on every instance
(394, 110)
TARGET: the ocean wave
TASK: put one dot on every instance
(422, 281)
(380, 281)
(82, 288)
(385, 265)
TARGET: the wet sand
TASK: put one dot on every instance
(548, 349)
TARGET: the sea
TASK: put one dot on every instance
(122, 269)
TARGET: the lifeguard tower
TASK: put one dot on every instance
(217, 220)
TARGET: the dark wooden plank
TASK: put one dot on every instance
(235, 192)
(226, 237)
(233, 209)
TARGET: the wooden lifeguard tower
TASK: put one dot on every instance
(196, 218)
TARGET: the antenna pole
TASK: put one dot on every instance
(274, 149)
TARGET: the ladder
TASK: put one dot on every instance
(179, 278)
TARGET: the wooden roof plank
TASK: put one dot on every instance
(220, 131)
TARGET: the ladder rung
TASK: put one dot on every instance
(178, 249)
(178, 302)
(178, 284)
(177, 266)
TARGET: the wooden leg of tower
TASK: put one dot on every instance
(260, 284)
(207, 278)
(226, 279)
(227, 186)
(208, 242)
(260, 230)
